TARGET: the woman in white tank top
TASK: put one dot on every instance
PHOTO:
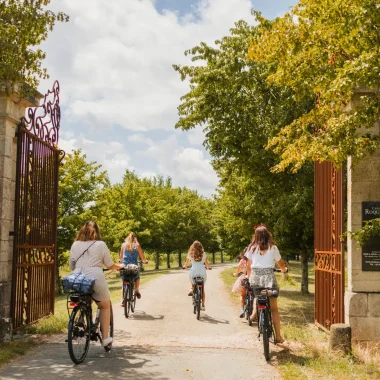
(262, 255)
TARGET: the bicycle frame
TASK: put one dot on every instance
(197, 294)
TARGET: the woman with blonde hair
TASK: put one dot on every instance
(129, 252)
(87, 255)
(198, 259)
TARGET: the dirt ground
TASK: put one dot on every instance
(162, 340)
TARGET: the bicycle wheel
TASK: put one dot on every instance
(265, 332)
(126, 300)
(199, 296)
(110, 330)
(78, 335)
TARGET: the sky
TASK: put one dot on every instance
(119, 92)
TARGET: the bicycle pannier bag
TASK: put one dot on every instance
(79, 283)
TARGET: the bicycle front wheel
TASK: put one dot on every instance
(78, 335)
(132, 297)
(127, 304)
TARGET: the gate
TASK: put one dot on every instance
(329, 251)
(36, 208)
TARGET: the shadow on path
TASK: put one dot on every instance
(206, 318)
(142, 316)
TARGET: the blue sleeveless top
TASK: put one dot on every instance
(130, 257)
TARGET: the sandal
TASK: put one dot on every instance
(253, 318)
(279, 341)
(138, 295)
(190, 293)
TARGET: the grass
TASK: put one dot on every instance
(307, 356)
(10, 350)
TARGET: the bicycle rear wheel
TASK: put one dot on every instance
(78, 335)
(265, 333)
(132, 298)
(249, 308)
(127, 304)
(110, 330)
(199, 296)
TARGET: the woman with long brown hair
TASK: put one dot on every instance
(262, 255)
(199, 262)
(87, 255)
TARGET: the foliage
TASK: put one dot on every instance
(371, 228)
(240, 111)
(329, 50)
(80, 185)
(24, 24)
(165, 218)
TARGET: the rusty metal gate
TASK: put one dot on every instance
(36, 207)
(329, 250)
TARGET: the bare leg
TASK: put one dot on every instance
(253, 315)
(242, 298)
(276, 318)
(104, 317)
(137, 285)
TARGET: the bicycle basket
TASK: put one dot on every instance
(79, 283)
(130, 271)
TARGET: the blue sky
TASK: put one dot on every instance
(119, 92)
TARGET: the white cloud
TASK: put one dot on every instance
(114, 64)
(111, 155)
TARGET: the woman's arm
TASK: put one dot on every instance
(207, 264)
(187, 262)
(282, 265)
(249, 263)
(238, 269)
(116, 267)
(142, 255)
(121, 254)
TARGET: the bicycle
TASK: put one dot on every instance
(129, 295)
(198, 295)
(82, 328)
(265, 325)
(248, 303)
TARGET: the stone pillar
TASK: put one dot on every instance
(362, 299)
(12, 108)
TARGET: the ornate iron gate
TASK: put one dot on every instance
(36, 207)
(329, 253)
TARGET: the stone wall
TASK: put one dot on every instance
(362, 300)
(12, 108)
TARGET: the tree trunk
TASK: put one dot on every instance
(180, 259)
(157, 261)
(168, 260)
(213, 257)
(221, 256)
(305, 273)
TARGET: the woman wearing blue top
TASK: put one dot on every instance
(129, 253)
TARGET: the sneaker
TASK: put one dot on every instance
(107, 341)
(138, 295)
(203, 308)
(242, 313)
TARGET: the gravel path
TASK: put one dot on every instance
(162, 340)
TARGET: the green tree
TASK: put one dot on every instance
(24, 24)
(80, 185)
(329, 50)
(240, 111)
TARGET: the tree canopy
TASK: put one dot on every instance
(24, 24)
(329, 50)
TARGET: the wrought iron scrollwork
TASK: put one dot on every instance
(44, 120)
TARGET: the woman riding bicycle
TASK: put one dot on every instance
(238, 286)
(87, 255)
(262, 255)
(129, 252)
(199, 262)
